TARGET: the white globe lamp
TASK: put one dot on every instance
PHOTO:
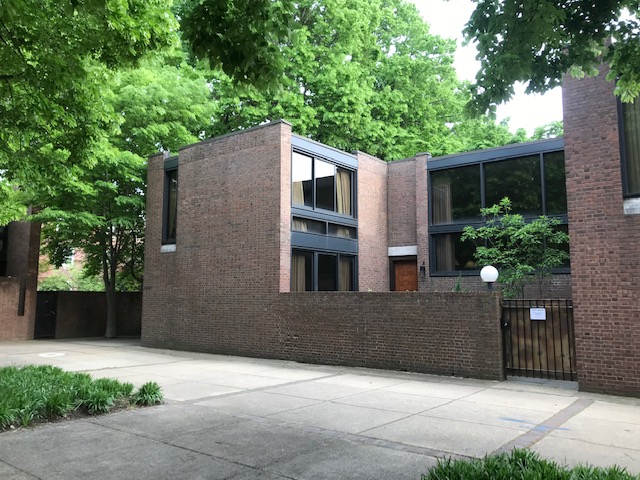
(489, 275)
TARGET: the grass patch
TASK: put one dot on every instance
(43, 393)
(521, 465)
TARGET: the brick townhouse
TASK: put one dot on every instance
(263, 217)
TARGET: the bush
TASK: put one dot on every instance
(148, 394)
(522, 465)
(43, 392)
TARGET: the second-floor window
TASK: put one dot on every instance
(321, 185)
(630, 151)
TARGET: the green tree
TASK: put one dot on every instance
(157, 107)
(550, 130)
(538, 41)
(521, 250)
(243, 37)
(52, 59)
(360, 75)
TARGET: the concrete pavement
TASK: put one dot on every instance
(242, 418)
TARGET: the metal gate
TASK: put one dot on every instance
(46, 307)
(539, 339)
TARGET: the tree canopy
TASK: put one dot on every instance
(538, 41)
(53, 56)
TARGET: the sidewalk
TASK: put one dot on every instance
(242, 418)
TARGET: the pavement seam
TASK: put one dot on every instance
(20, 470)
(537, 433)
(187, 449)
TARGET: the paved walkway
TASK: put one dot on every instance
(241, 418)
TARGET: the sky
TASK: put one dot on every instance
(447, 19)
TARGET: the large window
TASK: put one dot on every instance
(321, 271)
(324, 228)
(170, 208)
(4, 234)
(630, 148)
(319, 184)
(533, 181)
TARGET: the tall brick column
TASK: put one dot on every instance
(605, 243)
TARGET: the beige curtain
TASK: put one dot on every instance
(299, 225)
(632, 145)
(343, 232)
(343, 192)
(298, 274)
(345, 274)
(298, 193)
(445, 255)
(442, 209)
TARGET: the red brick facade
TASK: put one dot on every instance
(605, 253)
(225, 287)
(18, 289)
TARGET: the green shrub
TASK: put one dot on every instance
(522, 465)
(148, 394)
(34, 392)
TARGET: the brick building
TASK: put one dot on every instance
(263, 216)
(19, 247)
(603, 186)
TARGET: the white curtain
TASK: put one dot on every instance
(343, 192)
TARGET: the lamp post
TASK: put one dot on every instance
(489, 275)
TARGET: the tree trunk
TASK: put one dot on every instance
(110, 332)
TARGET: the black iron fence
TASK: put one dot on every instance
(539, 339)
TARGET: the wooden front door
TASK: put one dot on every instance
(406, 275)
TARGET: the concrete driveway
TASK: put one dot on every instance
(243, 418)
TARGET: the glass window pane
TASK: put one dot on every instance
(301, 180)
(325, 180)
(347, 271)
(343, 192)
(309, 226)
(327, 272)
(455, 195)
(171, 212)
(341, 231)
(518, 179)
(555, 186)
(301, 271)
(631, 120)
(450, 254)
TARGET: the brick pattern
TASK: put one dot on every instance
(373, 260)
(84, 314)
(22, 267)
(212, 293)
(445, 334)
(605, 258)
(402, 203)
(554, 286)
(221, 290)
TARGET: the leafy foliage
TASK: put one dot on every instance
(51, 102)
(538, 41)
(32, 392)
(520, 464)
(244, 37)
(550, 130)
(362, 75)
(101, 211)
(148, 394)
(521, 250)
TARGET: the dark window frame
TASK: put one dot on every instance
(479, 159)
(170, 166)
(314, 268)
(622, 134)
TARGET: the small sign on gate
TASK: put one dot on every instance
(537, 313)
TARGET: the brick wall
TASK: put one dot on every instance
(402, 203)
(446, 334)
(373, 262)
(22, 267)
(213, 292)
(221, 290)
(605, 252)
(554, 286)
(84, 314)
